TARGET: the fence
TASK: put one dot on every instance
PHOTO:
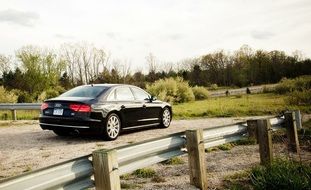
(108, 164)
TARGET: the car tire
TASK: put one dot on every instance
(166, 118)
(62, 133)
(112, 127)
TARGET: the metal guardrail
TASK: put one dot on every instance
(76, 174)
(73, 174)
(20, 106)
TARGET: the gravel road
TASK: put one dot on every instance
(25, 147)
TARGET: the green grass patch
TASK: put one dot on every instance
(282, 174)
(225, 147)
(174, 161)
(246, 105)
(129, 185)
(144, 173)
(238, 181)
(20, 114)
(246, 141)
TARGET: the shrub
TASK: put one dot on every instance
(7, 96)
(50, 93)
(300, 97)
(200, 93)
(213, 87)
(282, 174)
(173, 90)
(291, 85)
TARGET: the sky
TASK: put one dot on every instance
(171, 30)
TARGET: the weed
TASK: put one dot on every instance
(225, 147)
(144, 173)
(174, 161)
(27, 169)
(211, 149)
(129, 185)
(125, 176)
(246, 141)
(100, 144)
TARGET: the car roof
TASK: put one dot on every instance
(110, 85)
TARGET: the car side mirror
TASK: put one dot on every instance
(152, 98)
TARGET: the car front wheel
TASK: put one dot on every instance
(166, 118)
(113, 127)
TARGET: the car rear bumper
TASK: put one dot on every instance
(80, 124)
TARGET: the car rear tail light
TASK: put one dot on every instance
(80, 107)
(44, 106)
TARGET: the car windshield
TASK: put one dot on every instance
(84, 91)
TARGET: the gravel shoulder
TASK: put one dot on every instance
(25, 147)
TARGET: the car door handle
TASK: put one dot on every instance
(144, 106)
(123, 106)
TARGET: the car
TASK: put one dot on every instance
(104, 109)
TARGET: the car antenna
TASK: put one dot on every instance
(92, 84)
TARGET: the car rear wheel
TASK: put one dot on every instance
(166, 118)
(113, 127)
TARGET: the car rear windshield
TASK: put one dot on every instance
(84, 91)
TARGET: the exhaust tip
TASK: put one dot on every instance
(75, 132)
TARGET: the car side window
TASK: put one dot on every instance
(124, 93)
(140, 94)
(111, 96)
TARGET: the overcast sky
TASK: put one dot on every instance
(170, 29)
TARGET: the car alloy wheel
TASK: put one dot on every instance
(113, 126)
(166, 117)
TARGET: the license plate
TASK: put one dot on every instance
(58, 112)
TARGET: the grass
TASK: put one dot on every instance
(174, 161)
(144, 173)
(281, 174)
(20, 114)
(232, 106)
(225, 147)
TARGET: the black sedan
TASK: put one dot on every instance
(105, 109)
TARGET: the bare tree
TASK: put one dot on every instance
(5, 64)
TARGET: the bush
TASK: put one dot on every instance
(173, 90)
(7, 96)
(300, 97)
(213, 87)
(50, 93)
(200, 93)
(282, 174)
(290, 85)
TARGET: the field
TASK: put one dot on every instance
(235, 106)
(232, 106)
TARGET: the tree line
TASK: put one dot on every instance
(35, 73)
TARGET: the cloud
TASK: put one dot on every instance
(175, 36)
(111, 35)
(66, 37)
(19, 17)
(262, 35)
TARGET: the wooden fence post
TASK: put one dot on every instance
(298, 119)
(252, 129)
(106, 171)
(196, 159)
(265, 141)
(14, 115)
(292, 135)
